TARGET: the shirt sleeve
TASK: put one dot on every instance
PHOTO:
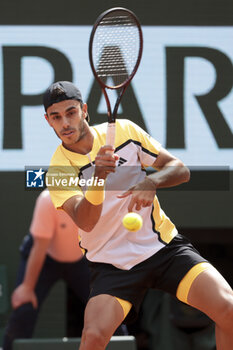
(62, 183)
(43, 220)
(149, 148)
(62, 179)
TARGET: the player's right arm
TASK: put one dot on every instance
(86, 210)
(84, 214)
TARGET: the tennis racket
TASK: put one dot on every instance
(115, 51)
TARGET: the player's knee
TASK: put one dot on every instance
(94, 338)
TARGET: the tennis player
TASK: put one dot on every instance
(125, 264)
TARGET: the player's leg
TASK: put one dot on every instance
(77, 277)
(210, 293)
(103, 314)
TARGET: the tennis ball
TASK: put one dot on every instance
(132, 222)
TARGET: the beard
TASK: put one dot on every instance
(82, 130)
(81, 134)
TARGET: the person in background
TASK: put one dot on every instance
(49, 253)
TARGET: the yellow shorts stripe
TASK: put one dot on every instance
(126, 306)
(185, 284)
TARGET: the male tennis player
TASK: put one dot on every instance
(125, 264)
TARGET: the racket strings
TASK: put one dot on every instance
(115, 48)
(111, 63)
(119, 20)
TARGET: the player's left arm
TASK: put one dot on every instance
(171, 171)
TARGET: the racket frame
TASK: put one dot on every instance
(123, 86)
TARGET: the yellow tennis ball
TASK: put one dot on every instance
(132, 222)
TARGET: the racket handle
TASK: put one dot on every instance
(110, 136)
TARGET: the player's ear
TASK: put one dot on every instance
(47, 118)
(84, 110)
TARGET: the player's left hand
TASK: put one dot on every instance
(142, 194)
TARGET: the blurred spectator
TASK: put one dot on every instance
(50, 252)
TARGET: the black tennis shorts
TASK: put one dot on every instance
(164, 271)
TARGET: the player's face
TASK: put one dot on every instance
(67, 119)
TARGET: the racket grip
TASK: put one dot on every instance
(110, 136)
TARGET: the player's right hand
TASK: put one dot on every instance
(105, 162)
(23, 295)
(142, 195)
